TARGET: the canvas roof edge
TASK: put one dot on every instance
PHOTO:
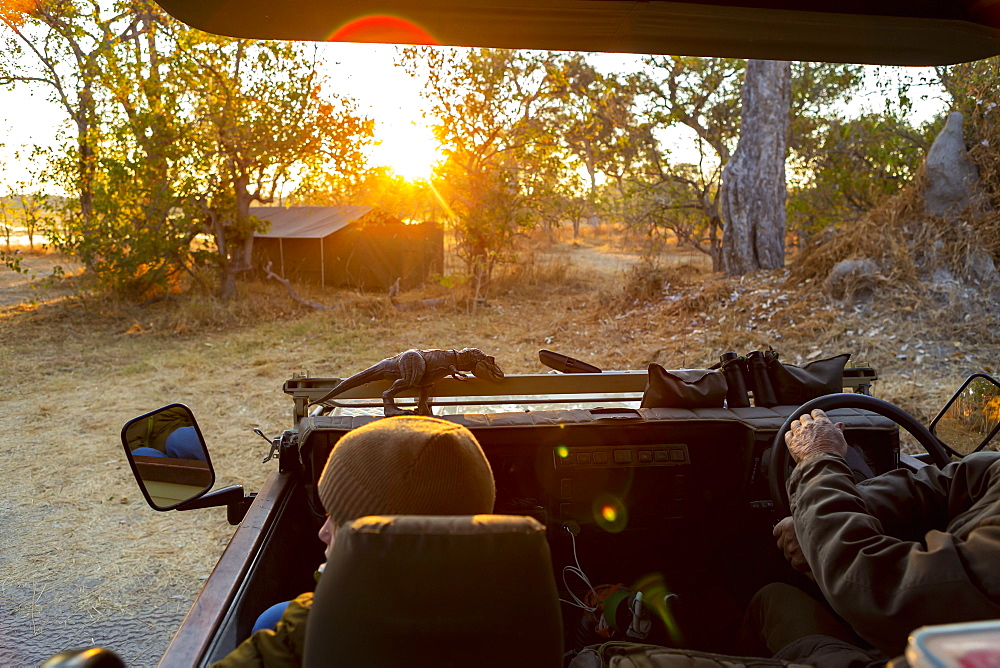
(887, 32)
(307, 222)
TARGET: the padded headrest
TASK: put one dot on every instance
(437, 591)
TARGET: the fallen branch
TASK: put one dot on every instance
(435, 303)
(316, 306)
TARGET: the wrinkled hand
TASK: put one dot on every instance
(814, 433)
(788, 541)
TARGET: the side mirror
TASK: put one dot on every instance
(971, 419)
(168, 456)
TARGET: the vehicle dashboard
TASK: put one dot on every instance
(628, 494)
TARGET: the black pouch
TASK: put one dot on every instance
(794, 385)
(684, 388)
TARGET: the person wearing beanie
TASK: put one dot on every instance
(404, 465)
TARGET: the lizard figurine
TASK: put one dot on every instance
(420, 369)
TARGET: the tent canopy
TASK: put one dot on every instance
(307, 222)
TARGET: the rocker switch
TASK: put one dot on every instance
(623, 456)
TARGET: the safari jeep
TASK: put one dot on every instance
(672, 503)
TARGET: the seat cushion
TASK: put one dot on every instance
(437, 591)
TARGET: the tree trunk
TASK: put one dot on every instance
(753, 182)
(715, 244)
(236, 255)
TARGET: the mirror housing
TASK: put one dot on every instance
(971, 418)
(170, 462)
(168, 456)
(95, 657)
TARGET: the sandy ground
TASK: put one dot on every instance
(18, 288)
(84, 562)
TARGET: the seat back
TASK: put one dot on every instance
(437, 591)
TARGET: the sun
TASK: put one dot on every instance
(408, 149)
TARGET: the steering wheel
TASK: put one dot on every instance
(780, 457)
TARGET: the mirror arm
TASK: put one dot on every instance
(237, 502)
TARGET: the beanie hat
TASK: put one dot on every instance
(407, 465)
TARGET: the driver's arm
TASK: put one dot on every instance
(907, 504)
(883, 586)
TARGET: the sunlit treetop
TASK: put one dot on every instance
(13, 12)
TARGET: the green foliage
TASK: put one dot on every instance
(451, 281)
(491, 106)
(176, 133)
(595, 120)
(841, 168)
(851, 167)
(260, 123)
(12, 261)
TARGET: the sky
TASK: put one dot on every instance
(384, 92)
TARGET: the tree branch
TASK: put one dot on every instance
(316, 306)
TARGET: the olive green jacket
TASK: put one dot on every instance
(280, 648)
(902, 550)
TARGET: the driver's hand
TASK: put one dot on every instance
(784, 531)
(814, 433)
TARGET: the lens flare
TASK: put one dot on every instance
(610, 513)
(562, 451)
(656, 597)
(383, 29)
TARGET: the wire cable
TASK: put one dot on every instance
(577, 570)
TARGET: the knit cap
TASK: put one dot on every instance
(407, 465)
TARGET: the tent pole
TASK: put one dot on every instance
(322, 267)
(281, 254)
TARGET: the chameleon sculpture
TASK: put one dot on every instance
(420, 369)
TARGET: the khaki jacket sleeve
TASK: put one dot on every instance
(882, 585)
(910, 504)
(280, 648)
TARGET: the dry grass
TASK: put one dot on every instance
(906, 243)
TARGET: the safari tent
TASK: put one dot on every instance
(347, 246)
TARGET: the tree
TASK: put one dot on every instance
(595, 120)
(703, 96)
(9, 218)
(174, 128)
(489, 104)
(106, 67)
(62, 45)
(33, 205)
(262, 123)
(753, 181)
(852, 167)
